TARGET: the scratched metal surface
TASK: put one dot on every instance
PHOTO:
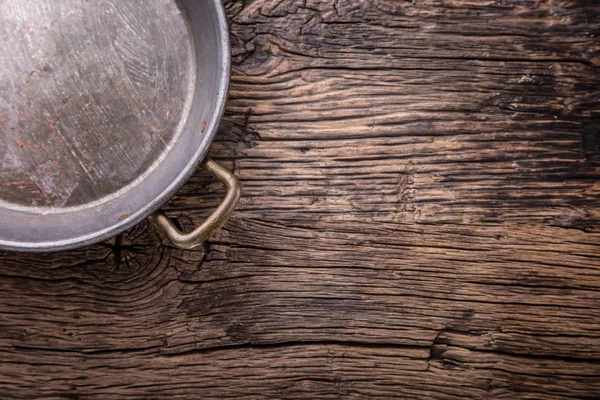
(92, 94)
(105, 108)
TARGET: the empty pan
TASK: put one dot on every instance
(106, 108)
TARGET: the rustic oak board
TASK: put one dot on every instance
(420, 219)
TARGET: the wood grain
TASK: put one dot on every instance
(420, 219)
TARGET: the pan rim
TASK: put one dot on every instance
(153, 205)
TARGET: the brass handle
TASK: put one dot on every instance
(214, 222)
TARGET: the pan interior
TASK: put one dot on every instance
(104, 112)
(93, 95)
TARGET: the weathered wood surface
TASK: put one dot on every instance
(420, 219)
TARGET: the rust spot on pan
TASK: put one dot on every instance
(122, 217)
(203, 127)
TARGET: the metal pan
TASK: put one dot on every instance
(106, 108)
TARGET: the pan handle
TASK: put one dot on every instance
(214, 222)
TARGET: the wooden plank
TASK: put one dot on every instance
(420, 219)
(329, 371)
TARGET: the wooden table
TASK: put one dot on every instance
(420, 219)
